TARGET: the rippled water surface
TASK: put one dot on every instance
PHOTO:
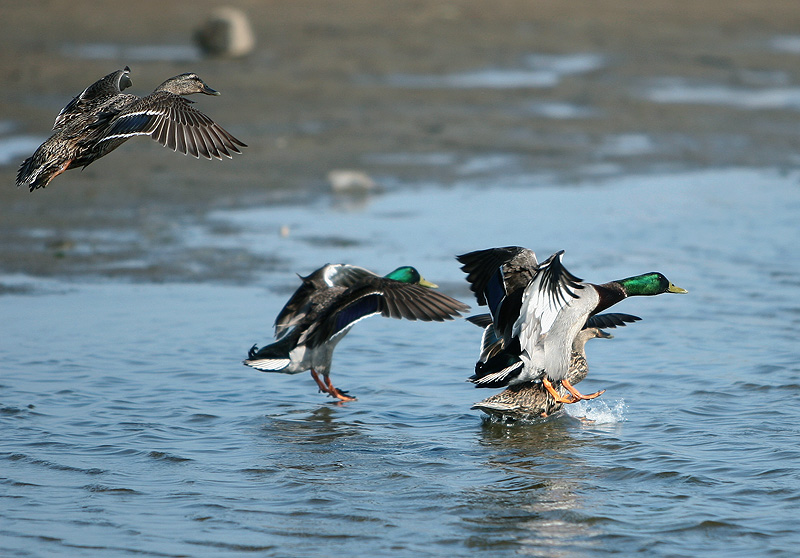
(131, 428)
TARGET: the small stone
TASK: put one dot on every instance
(226, 33)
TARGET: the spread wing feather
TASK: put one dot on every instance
(610, 320)
(390, 298)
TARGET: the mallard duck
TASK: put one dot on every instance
(538, 310)
(329, 302)
(102, 118)
(531, 399)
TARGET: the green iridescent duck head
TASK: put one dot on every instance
(649, 284)
(408, 274)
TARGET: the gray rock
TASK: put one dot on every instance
(226, 33)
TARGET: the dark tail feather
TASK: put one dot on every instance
(272, 358)
(498, 371)
(40, 168)
(25, 173)
(279, 349)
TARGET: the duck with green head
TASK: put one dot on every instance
(537, 310)
(329, 302)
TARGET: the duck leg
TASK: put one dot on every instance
(554, 392)
(322, 387)
(578, 395)
(327, 387)
(336, 392)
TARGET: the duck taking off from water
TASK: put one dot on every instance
(102, 118)
(531, 399)
(537, 310)
(329, 302)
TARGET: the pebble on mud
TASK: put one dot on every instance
(351, 181)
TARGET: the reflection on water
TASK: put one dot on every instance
(538, 503)
(320, 427)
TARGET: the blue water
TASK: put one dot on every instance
(130, 428)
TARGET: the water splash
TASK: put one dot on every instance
(598, 411)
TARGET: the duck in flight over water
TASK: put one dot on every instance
(102, 118)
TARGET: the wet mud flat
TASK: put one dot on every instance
(410, 92)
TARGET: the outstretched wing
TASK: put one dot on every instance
(611, 320)
(346, 275)
(95, 95)
(389, 298)
(480, 320)
(550, 310)
(551, 290)
(175, 124)
(485, 274)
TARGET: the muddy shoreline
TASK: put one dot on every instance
(318, 94)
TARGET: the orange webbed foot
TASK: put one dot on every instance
(578, 395)
(554, 392)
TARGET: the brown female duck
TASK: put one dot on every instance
(102, 118)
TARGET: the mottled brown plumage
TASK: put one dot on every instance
(102, 118)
